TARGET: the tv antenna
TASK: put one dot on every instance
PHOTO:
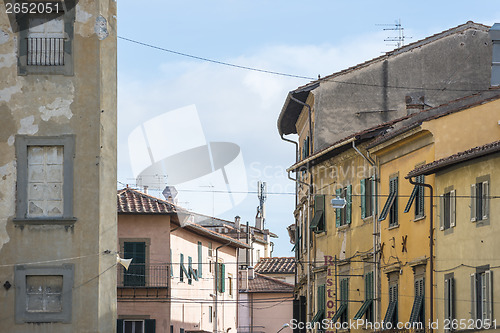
(400, 39)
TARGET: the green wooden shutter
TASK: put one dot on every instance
(119, 326)
(338, 212)
(200, 260)
(223, 278)
(181, 264)
(190, 270)
(363, 198)
(149, 326)
(348, 213)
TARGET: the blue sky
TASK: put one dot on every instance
(239, 106)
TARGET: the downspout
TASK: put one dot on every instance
(215, 285)
(375, 232)
(431, 246)
(309, 303)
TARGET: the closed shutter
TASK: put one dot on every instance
(485, 200)
(446, 299)
(452, 208)
(363, 198)
(451, 286)
(338, 212)
(149, 326)
(473, 203)
(200, 260)
(441, 212)
(348, 204)
(421, 196)
(171, 267)
(473, 296)
(488, 296)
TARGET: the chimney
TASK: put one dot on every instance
(243, 279)
(146, 189)
(251, 274)
(237, 222)
(495, 59)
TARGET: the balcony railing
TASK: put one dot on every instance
(45, 51)
(143, 275)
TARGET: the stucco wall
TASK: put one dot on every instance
(83, 105)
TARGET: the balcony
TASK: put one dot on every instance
(143, 281)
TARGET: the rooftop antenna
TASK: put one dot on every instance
(261, 211)
(400, 39)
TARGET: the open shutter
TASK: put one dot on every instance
(452, 208)
(412, 198)
(451, 285)
(485, 200)
(349, 204)
(119, 326)
(421, 196)
(447, 299)
(200, 260)
(473, 203)
(473, 296)
(223, 278)
(338, 212)
(363, 198)
(441, 212)
(149, 326)
(488, 296)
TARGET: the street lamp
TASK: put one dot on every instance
(283, 327)
(338, 202)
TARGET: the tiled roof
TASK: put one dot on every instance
(467, 155)
(265, 284)
(133, 201)
(276, 265)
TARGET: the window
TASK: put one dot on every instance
(210, 251)
(479, 193)
(43, 294)
(320, 304)
(318, 222)
(343, 215)
(417, 311)
(137, 326)
(45, 179)
(210, 314)
(449, 297)
(391, 205)
(305, 148)
(482, 294)
(367, 307)
(230, 284)
(135, 275)
(391, 315)
(367, 197)
(45, 41)
(447, 210)
(417, 196)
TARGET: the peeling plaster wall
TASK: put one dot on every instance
(83, 105)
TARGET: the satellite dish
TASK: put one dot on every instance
(124, 262)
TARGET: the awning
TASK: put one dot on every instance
(363, 309)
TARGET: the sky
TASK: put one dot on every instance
(218, 122)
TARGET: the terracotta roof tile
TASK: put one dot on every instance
(463, 156)
(276, 265)
(262, 283)
(133, 201)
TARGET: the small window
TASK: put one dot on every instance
(210, 314)
(45, 179)
(482, 295)
(479, 201)
(210, 251)
(43, 294)
(343, 215)
(318, 222)
(447, 209)
(230, 284)
(46, 40)
(449, 297)
(391, 205)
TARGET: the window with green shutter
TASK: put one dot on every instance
(367, 197)
(135, 275)
(200, 260)
(318, 223)
(343, 216)
(417, 195)
(182, 269)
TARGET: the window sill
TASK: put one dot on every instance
(343, 227)
(393, 227)
(416, 219)
(320, 234)
(67, 222)
(368, 219)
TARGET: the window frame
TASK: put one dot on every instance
(22, 143)
(343, 216)
(22, 59)
(447, 209)
(21, 313)
(480, 201)
(367, 197)
(449, 297)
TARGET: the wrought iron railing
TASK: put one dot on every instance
(144, 275)
(45, 51)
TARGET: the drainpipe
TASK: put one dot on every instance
(309, 199)
(215, 285)
(431, 246)
(375, 231)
